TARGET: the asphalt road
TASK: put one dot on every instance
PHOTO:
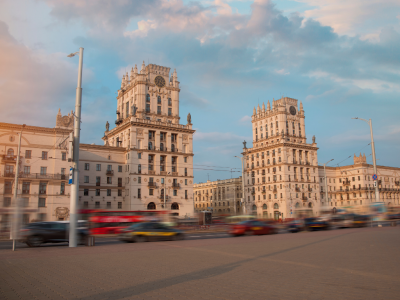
(337, 264)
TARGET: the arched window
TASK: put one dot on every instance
(297, 205)
(175, 206)
(276, 206)
(254, 207)
(229, 210)
(150, 146)
(151, 205)
(147, 98)
(159, 99)
(310, 204)
(265, 206)
(10, 152)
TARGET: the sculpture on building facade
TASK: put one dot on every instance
(313, 139)
(189, 118)
(283, 134)
(244, 144)
(107, 126)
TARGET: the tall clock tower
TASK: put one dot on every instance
(159, 150)
(281, 169)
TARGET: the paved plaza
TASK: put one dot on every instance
(337, 264)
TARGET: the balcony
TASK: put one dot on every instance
(175, 184)
(8, 191)
(110, 172)
(297, 189)
(397, 183)
(253, 192)
(161, 197)
(163, 173)
(152, 172)
(36, 176)
(275, 190)
(175, 174)
(308, 163)
(9, 158)
(346, 182)
(263, 191)
(310, 189)
(97, 183)
(304, 198)
(294, 161)
(152, 185)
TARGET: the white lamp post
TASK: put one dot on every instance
(75, 178)
(369, 122)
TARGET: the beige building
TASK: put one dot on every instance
(220, 197)
(282, 171)
(147, 156)
(353, 185)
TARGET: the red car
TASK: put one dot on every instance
(252, 227)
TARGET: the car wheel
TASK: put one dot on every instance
(35, 241)
(178, 237)
(249, 232)
(83, 240)
(139, 239)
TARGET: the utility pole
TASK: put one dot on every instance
(243, 198)
(326, 182)
(73, 222)
(369, 122)
(16, 224)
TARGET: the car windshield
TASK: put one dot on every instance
(135, 226)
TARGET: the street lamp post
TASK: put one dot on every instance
(369, 122)
(165, 189)
(16, 223)
(75, 178)
(243, 198)
(326, 182)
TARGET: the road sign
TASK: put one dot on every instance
(71, 172)
(374, 177)
(374, 183)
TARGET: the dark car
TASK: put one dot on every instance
(252, 227)
(296, 226)
(38, 233)
(150, 231)
(316, 224)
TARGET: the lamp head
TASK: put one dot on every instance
(72, 54)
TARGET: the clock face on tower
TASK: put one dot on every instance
(292, 110)
(159, 81)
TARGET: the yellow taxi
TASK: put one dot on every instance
(150, 231)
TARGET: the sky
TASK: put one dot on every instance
(340, 58)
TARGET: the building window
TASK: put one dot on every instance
(86, 166)
(98, 178)
(27, 169)
(43, 170)
(139, 168)
(85, 204)
(62, 188)
(44, 155)
(28, 153)
(185, 159)
(97, 204)
(26, 185)
(109, 180)
(139, 179)
(169, 102)
(109, 192)
(139, 194)
(42, 202)
(147, 108)
(139, 155)
(159, 100)
(185, 181)
(42, 188)
(98, 167)
(119, 192)
(169, 111)
(97, 192)
(119, 168)
(147, 98)
(7, 201)
(159, 110)
(86, 192)
(175, 193)
(62, 171)
(86, 179)
(119, 205)
(63, 156)
(108, 204)
(151, 192)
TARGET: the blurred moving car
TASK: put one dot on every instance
(252, 227)
(150, 231)
(316, 223)
(296, 226)
(35, 234)
(361, 221)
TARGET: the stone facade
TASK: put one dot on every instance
(220, 197)
(282, 171)
(146, 153)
